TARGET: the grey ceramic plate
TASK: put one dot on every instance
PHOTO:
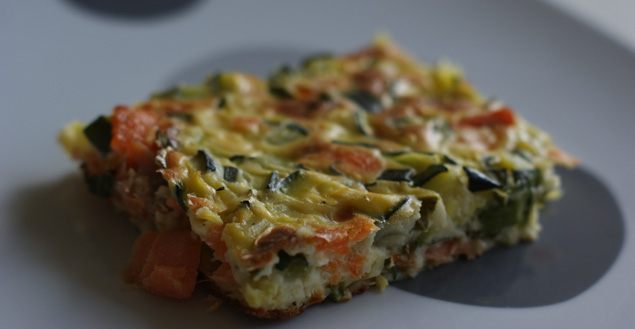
(62, 250)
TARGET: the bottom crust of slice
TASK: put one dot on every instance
(286, 313)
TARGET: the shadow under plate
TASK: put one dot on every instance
(133, 9)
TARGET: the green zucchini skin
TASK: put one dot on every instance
(280, 92)
(180, 196)
(287, 262)
(366, 145)
(237, 158)
(513, 207)
(286, 183)
(396, 208)
(297, 128)
(230, 174)
(274, 181)
(478, 181)
(367, 101)
(425, 176)
(205, 161)
(396, 175)
(361, 122)
(99, 133)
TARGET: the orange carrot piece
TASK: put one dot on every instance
(355, 263)
(223, 274)
(166, 263)
(140, 253)
(214, 240)
(339, 238)
(355, 161)
(442, 252)
(133, 134)
(502, 117)
(445, 251)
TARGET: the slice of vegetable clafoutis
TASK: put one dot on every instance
(333, 176)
